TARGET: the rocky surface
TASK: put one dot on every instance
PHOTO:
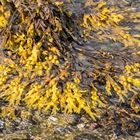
(69, 127)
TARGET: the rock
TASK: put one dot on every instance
(2, 125)
(138, 135)
(86, 136)
(52, 119)
(68, 119)
(81, 126)
(60, 131)
(19, 135)
(91, 126)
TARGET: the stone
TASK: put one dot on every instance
(86, 136)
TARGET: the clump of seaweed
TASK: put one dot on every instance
(43, 65)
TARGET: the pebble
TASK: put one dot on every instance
(86, 136)
(52, 119)
(81, 126)
(2, 124)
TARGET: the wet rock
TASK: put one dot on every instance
(2, 125)
(138, 135)
(52, 119)
(68, 119)
(61, 131)
(19, 135)
(86, 136)
(81, 126)
(91, 126)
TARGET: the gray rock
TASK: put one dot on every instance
(86, 136)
